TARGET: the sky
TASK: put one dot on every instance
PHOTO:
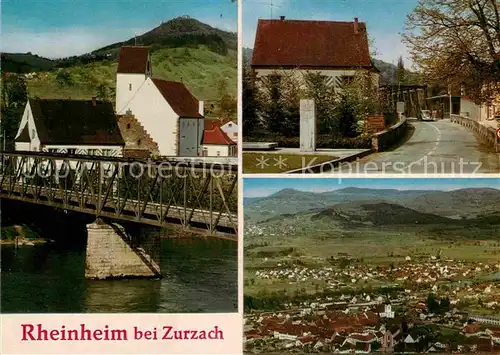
(385, 19)
(261, 187)
(60, 28)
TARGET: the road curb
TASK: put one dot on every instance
(333, 163)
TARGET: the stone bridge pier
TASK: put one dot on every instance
(115, 252)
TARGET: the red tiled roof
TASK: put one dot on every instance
(311, 44)
(179, 98)
(133, 60)
(216, 136)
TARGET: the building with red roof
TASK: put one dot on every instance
(337, 50)
(167, 111)
(217, 143)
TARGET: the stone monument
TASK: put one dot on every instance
(307, 126)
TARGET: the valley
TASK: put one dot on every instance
(317, 262)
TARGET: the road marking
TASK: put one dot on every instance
(432, 151)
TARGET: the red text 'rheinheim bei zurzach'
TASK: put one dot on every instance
(36, 332)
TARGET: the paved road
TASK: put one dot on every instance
(436, 147)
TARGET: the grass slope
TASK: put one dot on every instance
(199, 68)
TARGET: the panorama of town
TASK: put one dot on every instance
(429, 305)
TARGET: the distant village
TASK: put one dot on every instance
(150, 118)
(439, 306)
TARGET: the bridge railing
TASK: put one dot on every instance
(194, 194)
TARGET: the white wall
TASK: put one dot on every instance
(231, 129)
(98, 150)
(27, 118)
(156, 116)
(224, 150)
(123, 94)
(469, 109)
(22, 146)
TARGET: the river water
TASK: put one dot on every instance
(199, 275)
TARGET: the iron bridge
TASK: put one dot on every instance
(195, 195)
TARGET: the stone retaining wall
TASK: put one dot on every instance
(383, 140)
(486, 134)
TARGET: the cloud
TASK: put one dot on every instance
(64, 42)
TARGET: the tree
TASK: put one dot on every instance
(432, 303)
(279, 99)
(14, 98)
(250, 103)
(457, 42)
(322, 91)
(63, 78)
(227, 105)
(400, 73)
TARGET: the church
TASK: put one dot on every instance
(169, 114)
(151, 117)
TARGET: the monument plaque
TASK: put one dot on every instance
(307, 126)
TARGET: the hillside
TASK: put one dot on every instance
(376, 214)
(293, 201)
(182, 31)
(25, 63)
(183, 49)
(199, 68)
(463, 203)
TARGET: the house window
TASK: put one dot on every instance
(128, 125)
(52, 150)
(107, 152)
(130, 87)
(71, 151)
(92, 151)
(205, 152)
(230, 125)
(218, 153)
(138, 142)
(32, 134)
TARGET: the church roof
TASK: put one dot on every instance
(75, 122)
(179, 98)
(133, 60)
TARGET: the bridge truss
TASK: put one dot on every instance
(193, 195)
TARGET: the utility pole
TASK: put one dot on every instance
(449, 94)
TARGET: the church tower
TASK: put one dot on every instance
(134, 67)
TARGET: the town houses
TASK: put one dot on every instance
(150, 117)
(428, 304)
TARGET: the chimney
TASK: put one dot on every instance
(94, 100)
(282, 18)
(356, 25)
(201, 108)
